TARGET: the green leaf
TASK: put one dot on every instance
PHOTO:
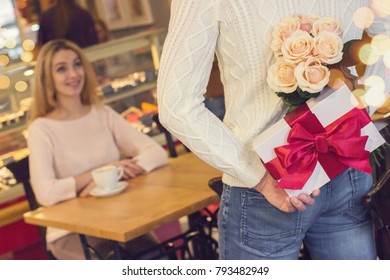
(307, 95)
(293, 99)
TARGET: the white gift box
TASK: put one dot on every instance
(328, 107)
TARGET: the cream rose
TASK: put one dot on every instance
(282, 31)
(306, 21)
(298, 47)
(327, 24)
(281, 77)
(311, 75)
(328, 47)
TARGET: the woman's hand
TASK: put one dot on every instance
(88, 188)
(280, 199)
(130, 168)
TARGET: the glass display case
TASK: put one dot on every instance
(126, 69)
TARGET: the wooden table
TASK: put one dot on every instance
(150, 200)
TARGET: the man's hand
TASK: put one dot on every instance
(280, 199)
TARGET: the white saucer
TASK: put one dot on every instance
(120, 186)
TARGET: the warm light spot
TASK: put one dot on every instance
(10, 43)
(2, 43)
(359, 92)
(381, 7)
(28, 73)
(375, 82)
(4, 60)
(375, 97)
(363, 17)
(381, 42)
(35, 27)
(28, 45)
(368, 54)
(386, 59)
(26, 56)
(4, 82)
(21, 86)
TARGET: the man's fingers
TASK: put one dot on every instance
(298, 204)
(306, 199)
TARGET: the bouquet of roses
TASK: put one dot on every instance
(304, 47)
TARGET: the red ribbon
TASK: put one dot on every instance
(336, 147)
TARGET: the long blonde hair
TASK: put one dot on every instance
(44, 92)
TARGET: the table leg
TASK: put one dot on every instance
(117, 250)
(84, 243)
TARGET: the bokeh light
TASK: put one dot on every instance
(4, 82)
(375, 82)
(28, 73)
(363, 17)
(26, 56)
(375, 91)
(369, 54)
(359, 92)
(381, 7)
(21, 86)
(386, 59)
(28, 45)
(381, 42)
(4, 60)
(10, 43)
(359, 95)
(375, 97)
(2, 43)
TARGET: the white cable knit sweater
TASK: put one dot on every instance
(240, 33)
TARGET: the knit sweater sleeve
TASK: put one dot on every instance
(48, 189)
(132, 143)
(185, 67)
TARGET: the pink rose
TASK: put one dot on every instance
(281, 77)
(311, 75)
(328, 47)
(306, 21)
(298, 47)
(282, 31)
(327, 24)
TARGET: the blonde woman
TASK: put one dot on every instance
(72, 134)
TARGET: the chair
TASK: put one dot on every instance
(211, 212)
(193, 244)
(21, 172)
(168, 137)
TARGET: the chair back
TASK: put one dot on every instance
(216, 185)
(21, 172)
(168, 137)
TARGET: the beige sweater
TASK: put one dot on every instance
(240, 33)
(60, 150)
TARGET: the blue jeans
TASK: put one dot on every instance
(338, 226)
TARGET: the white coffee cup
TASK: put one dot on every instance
(107, 177)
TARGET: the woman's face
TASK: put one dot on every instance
(68, 74)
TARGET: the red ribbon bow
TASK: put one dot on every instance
(335, 148)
